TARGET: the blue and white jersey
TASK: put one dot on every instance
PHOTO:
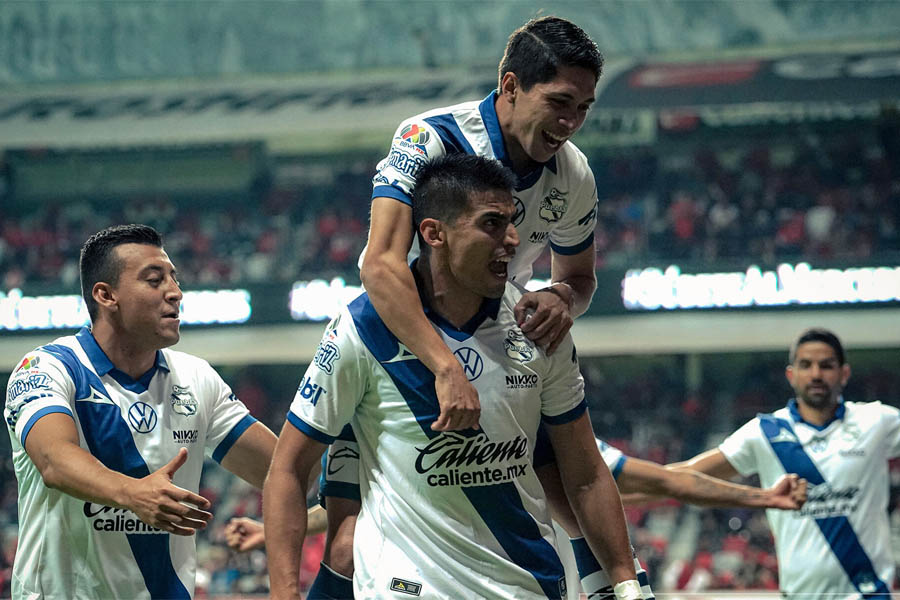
(838, 544)
(444, 513)
(555, 204)
(69, 548)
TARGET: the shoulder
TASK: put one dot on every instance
(59, 355)
(874, 410)
(188, 365)
(573, 164)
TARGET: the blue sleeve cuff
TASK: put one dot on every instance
(304, 427)
(42, 413)
(568, 416)
(570, 250)
(617, 468)
(233, 435)
(339, 489)
(389, 191)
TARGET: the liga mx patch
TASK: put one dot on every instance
(406, 587)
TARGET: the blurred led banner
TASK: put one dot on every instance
(320, 300)
(202, 307)
(654, 289)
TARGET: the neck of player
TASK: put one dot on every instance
(123, 351)
(816, 415)
(444, 294)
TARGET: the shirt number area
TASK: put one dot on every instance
(311, 391)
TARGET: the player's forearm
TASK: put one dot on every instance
(76, 472)
(582, 291)
(392, 290)
(697, 488)
(598, 509)
(285, 530)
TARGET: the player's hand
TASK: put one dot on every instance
(160, 503)
(544, 317)
(789, 492)
(458, 401)
(243, 534)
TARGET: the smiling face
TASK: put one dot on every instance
(481, 242)
(816, 375)
(147, 296)
(539, 121)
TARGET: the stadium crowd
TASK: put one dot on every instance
(815, 197)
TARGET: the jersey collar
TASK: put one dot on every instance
(490, 307)
(102, 365)
(838, 414)
(488, 111)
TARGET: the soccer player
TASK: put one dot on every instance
(838, 545)
(546, 84)
(108, 431)
(449, 514)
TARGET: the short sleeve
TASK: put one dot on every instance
(575, 231)
(562, 395)
(740, 448)
(228, 419)
(415, 143)
(890, 420)
(40, 385)
(334, 383)
(612, 456)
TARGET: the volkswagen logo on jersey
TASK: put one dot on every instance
(471, 362)
(520, 212)
(142, 417)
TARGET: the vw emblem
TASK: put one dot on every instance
(142, 417)
(471, 362)
(520, 213)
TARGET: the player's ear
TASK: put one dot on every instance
(103, 294)
(789, 373)
(509, 86)
(845, 374)
(432, 232)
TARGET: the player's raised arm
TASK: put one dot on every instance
(392, 290)
(52, 445)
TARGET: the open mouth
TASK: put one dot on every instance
(552, 140)
(172, 315)
(500, 266)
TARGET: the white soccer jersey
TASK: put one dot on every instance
(69, 548)
(838, 545)
(444, 513)
(555, 204)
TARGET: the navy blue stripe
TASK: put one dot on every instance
(837, 530)
(151, 552)
(40, 413)
(328, 585)
(304, 427)
(570, 250)
(492, 126)
(340, 489)
(412, 379)
(617, 468)
(566, 417)
(584, 558)
(83, 378)
(502, 511)
(233, 435)
(389, 191)
(450, 133)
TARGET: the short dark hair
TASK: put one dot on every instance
(443, 185)
(536, 50)
(99, 263)
(818, 334)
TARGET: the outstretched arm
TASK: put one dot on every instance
(685, 484)
(392, 290)
(251, 454)
(52, 445)
(244, 534)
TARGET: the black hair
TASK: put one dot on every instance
(536, 50)
(98, 262)
(443, 185)
(818, 334)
